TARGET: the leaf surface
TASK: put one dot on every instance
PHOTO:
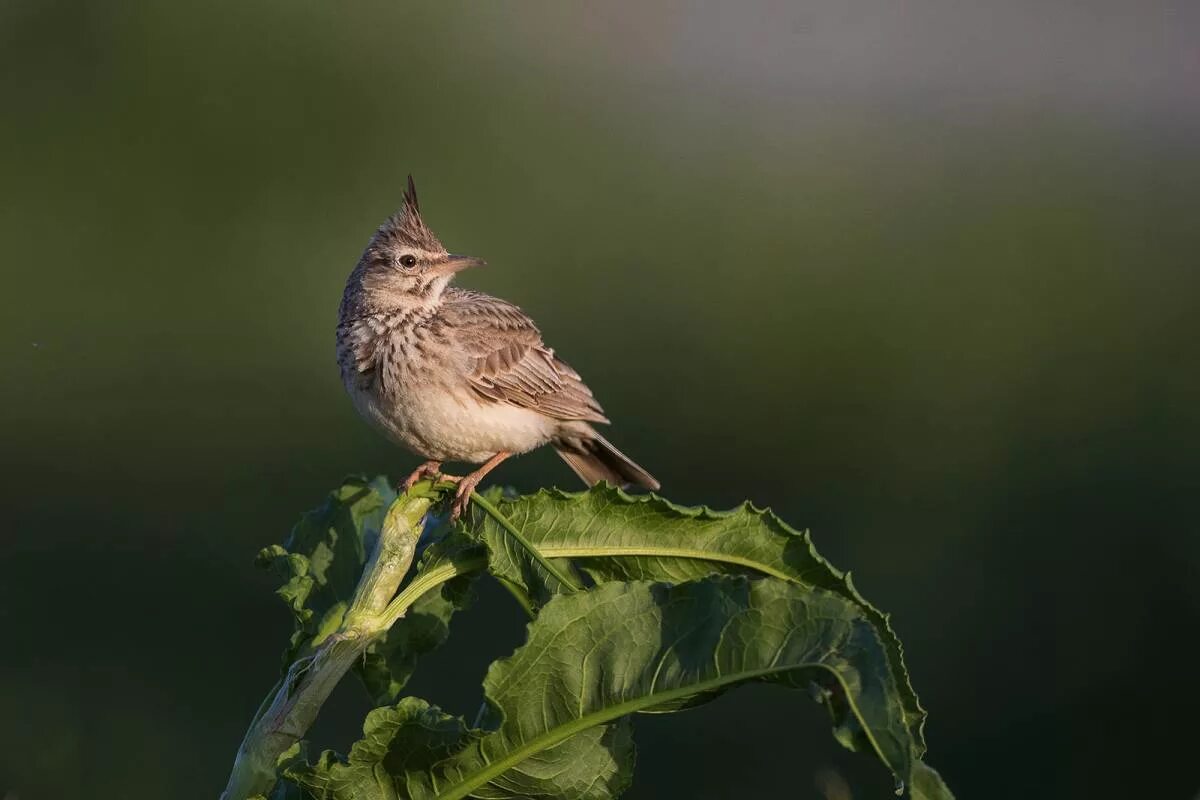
(401, 744)
(927, 784)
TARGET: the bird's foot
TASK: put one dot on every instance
(430, 470)
(467, 483)
(462, 494)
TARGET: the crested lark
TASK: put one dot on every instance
(456, 375)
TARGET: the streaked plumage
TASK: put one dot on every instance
(458, 375)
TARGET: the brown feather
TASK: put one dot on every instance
(508, 362)
(593, 458)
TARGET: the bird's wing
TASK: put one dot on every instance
(509, 363)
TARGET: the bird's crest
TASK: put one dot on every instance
(406, 226)
(410, 198)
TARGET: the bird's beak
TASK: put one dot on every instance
(455, 263)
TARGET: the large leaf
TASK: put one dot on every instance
(614, 536)
(927, 784)
(401, 744)
(594, 657)
(321, 564)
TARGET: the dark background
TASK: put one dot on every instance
(920, 277)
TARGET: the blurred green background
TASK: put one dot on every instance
(921, 277)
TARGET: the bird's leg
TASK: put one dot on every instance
(430, 469)
(467, 484)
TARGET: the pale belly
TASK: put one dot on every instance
(438, 424)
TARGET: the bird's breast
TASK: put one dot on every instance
(418, 395)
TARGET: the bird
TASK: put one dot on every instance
(454, 374)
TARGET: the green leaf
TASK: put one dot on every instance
(517, 562)
(408, 739)
(321, 564)
(614, 536)
(927, 784)
(596, 656)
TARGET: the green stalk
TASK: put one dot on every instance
(289, 713)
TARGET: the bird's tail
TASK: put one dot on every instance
(594, 459)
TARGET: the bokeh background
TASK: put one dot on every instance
(922, 277)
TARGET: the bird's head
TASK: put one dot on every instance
(404, 262)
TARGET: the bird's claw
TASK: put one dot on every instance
(462, 496)
(430, 470)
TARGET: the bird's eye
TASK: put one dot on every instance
(408, 261)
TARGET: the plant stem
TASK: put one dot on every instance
(533, 552)
(309, 681)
